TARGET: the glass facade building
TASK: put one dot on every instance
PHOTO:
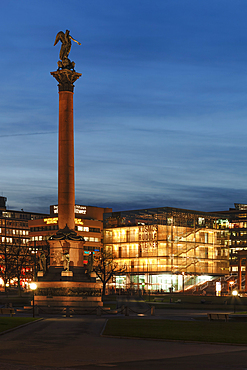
(167, 248)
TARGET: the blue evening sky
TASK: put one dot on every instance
(160, 111)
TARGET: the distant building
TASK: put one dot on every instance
(88, 223)
(167, 248)
(14, 231)
(237, 218)
(162, 248)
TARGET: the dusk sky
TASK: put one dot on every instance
(160, 112)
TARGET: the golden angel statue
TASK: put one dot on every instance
(65, 39)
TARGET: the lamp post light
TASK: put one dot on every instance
(234, 293)
(33, 287)
(231, 283)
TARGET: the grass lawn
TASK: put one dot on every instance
(202, 331)
(7, 323)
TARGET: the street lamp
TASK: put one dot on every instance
(234, 293)
(231, 283)
(33, 287)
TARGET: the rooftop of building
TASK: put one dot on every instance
(161, 215)
(16, 214)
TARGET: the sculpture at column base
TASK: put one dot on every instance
(66, 234)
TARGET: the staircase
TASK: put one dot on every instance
(209, 287)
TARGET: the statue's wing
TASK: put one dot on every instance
(60, 37)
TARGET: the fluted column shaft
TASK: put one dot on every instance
(66, 177)
(66, 182)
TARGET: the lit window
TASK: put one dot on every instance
(82, 228)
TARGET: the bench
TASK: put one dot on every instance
(218, 316)
(7, 311)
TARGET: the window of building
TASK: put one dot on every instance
(94, 229)
(91, 239)
(82, 228)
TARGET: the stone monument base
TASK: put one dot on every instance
(68, 293)
(66, 273)
(75, 288)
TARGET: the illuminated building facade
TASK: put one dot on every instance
(14, 234)
(238, 232)
(167, 248)
(88, 223)
(238, 243)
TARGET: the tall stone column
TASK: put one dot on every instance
(66, 279)
(66, 182)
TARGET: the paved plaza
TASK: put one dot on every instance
(76, 343)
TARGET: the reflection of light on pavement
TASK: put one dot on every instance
(141, 314)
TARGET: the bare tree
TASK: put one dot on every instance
(15, 262)
(105, 267)
(7, 269)
(22, 262)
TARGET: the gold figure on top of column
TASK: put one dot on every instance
(65, 38)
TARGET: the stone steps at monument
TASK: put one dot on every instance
(55, 274)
